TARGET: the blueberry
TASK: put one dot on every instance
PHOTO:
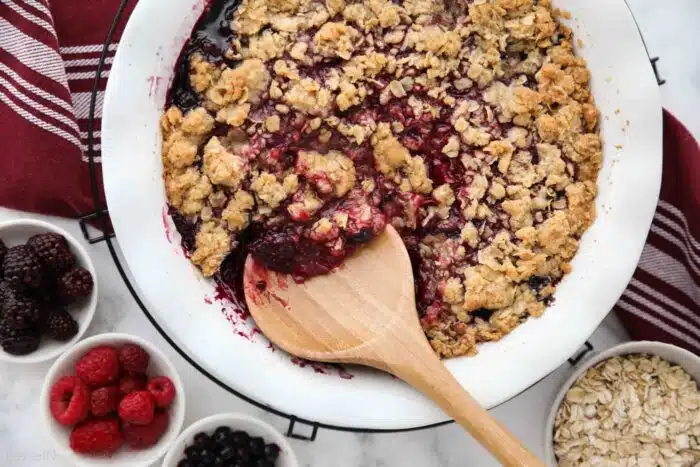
(202, 440)
(272, 452)
(224, 28)
(363, 236)
(185, 463)
(227, 453)
(240, 438)
(257, 446)
(483, 313)
(192, 453)
(537, 283)
(205, 455)
(265, 463)
(243, 454)
(221, 435)
(218, 461)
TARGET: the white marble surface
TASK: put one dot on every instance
(670, 32)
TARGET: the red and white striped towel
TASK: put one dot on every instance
(48, 60)
(662, 302)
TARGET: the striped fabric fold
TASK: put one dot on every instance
(662, 301)
(49, 52)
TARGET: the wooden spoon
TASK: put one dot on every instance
(365, 313)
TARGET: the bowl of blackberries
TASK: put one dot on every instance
(48, 291)
(234, 440)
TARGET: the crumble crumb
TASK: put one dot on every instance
(245, 83)
(237, 212)
(221, 166)
(336, 39)
(212, 246)
(268, 190)
(331, 173)
(309, 97)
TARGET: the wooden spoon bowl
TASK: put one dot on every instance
(365, 313)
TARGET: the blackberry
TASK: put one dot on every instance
(22, 268)
(20, 311)
(60, 325)
(53, 251)
(5, 293)
(3, 252)
(74, 284)
(18, 341)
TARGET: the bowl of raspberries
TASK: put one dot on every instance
(235, 440)
(48, 291)
(113, 399)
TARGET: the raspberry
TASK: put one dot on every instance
(97, 436)
(74, 285)
(132, 383)
(60, 325)
(163, 391)
(98, 367)
(18, 341)
(104, 401)
(20, 311)
(69, 400)
(145, 436)
(137, 408)
(133, 359)
(21, 268)
(53, 251)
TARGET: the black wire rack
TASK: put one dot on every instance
(298, 427)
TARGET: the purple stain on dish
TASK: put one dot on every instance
(166, 224)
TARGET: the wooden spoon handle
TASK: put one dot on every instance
(424, 371)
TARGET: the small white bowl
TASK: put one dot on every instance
(17, 232)
(681, 357)
(159, 366)
(252, 426)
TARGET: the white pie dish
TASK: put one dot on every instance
(671, 353)
(625, 89)
(17, 232)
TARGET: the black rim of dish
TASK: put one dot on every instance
(100, 217)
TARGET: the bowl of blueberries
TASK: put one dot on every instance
(234, 440)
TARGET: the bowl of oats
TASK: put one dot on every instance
(635, 404)
(297, 130)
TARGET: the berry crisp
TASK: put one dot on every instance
(296, 130)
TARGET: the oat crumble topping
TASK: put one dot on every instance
(469, 126)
